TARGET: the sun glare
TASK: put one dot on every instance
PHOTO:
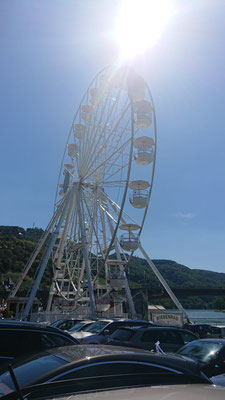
(139, 25)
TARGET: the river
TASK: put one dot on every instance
(205, 316)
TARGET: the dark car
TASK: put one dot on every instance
(170, 339)
(69, 364)
(201, 330)
(217, 332)
(102, 336)
(210, 353)
(18, 338)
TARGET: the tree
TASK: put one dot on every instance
(219, 303)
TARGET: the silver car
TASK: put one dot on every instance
(172, 392)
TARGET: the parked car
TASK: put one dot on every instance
(201, 330)
(170, 338)
(210, 353)
(217, 332)
(79, 326)
(102, 336)
(119, 366)
(91, 329)
(65, 324)
(18, 338)
(123, 390)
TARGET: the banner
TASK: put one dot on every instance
(175, 319)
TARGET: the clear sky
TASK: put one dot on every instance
(51, 50)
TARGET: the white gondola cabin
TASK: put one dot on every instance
(129, 241)
(143, 111)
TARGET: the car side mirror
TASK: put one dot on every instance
(106, 332)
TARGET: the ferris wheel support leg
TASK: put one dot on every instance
(85, 254)
(34, 255)
(129, 298)
(163, 282)
(60, 255)
(45, 260)
(127, 288)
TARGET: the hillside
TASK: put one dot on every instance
(17, 244)
(176, 275)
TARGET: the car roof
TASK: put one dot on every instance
(132, 320)
(81, 354)
(21, 325)
(211, 340)
(196, 324)
(25, 324)
(127, 321)
(218, 326)
(67, 319)
(153, 328)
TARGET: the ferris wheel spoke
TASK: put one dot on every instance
(117, 171)
(116, 155)
(102, 164)
(92, 223)
(97, 133)
(108, 214)
(92, 132)
(109, 146)
(117, 208)
(100, 123)
(96, 153)
(114, 184)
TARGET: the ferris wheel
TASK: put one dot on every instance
(103, 192)
(100, 184)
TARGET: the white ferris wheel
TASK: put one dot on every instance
(103, 192)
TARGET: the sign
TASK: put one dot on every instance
(175, 319)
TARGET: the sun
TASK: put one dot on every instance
(139, 25)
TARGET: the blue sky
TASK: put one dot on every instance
(51, 50)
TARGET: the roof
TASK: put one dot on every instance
(212, 340)
(14, 324)
(152, 327)
(83, 354)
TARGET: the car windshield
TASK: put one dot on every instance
(79, 326)
(200, 350)
(123, 334)
(95, 327)
(29, 371)
(58, 322)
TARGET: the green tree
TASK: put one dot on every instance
(219, 303)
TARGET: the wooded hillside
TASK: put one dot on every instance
(17, 244)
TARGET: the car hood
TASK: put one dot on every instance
(96, 337)
(80, 335)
